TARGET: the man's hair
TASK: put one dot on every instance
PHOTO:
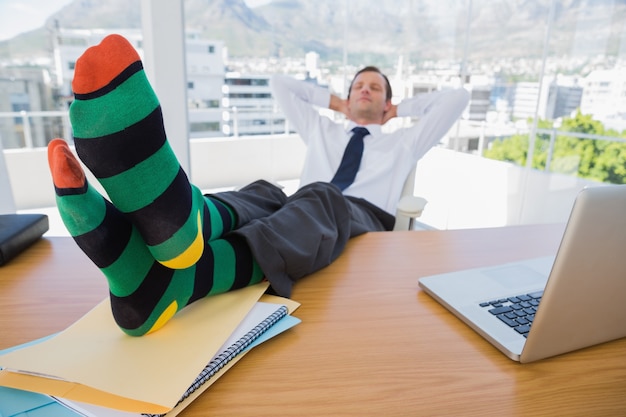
(372, 68)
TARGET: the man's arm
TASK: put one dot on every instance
(298, 101)
(447, 102)
(437, 112)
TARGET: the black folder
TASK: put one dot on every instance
(18, 232)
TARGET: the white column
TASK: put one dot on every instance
(7, 203)
(164, 61)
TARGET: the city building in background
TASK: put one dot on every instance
(604, 97)
(26, 92)
(248, 106)
(233, 98)
(564, 98)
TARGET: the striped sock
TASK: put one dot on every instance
(144, 293)
(120, 137)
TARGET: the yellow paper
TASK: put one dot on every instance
(92, 361)
(275, 299)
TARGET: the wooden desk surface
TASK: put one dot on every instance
(370, 344)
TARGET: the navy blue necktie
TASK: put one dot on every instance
(351, 159)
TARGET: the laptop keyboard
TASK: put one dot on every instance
(517, 312)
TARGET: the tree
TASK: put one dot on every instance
(515, 148)
(596, 159)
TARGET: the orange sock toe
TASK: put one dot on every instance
(65, 168)
(102, 63)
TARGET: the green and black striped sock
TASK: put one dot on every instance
(144, 293)
(119, 135)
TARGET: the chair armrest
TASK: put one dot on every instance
(409, 207)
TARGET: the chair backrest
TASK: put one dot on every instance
(409, 183)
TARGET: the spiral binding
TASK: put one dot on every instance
(227, 355)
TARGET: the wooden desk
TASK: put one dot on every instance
(370, 344)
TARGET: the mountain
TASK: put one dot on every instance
(417, 29)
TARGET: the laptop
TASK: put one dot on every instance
(538, 308)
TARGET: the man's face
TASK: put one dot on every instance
(368, 96)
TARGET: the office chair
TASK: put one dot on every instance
(409, 206)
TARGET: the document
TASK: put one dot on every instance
(89, 410)
(94, 362)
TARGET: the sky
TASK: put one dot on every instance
(18, 16)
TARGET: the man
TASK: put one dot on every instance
(162, 244)
(387, 157)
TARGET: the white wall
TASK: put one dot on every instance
(468, 191)
(215, 163)
(234, 162)
(30, 177)
(463, 191)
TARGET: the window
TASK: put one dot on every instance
(204, 127)
(250, 95)
(527, 67)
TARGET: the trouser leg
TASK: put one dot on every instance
(256, 200)
(305, 234)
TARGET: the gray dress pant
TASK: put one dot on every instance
(293, 236)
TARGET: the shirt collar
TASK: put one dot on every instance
(374, 129)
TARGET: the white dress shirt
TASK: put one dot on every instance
(387, 157)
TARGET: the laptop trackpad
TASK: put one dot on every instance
(515, 276)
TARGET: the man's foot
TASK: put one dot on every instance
(119, 136)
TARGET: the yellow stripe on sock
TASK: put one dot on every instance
(165, 317)
(191, 255)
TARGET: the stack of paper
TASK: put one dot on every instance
(98, 370)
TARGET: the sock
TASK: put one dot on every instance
(144, 293)
(162, 291)
(119, 135)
